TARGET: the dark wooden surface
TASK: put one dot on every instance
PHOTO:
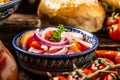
(15, 24)
(19, 22)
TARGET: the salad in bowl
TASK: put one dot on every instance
(53, 40)
(54, 49)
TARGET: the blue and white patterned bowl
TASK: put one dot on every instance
(7, 9)
(40, 64)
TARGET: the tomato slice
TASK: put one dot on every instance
(83, 47)
(35, 45)
(48, 35)
(30, 40)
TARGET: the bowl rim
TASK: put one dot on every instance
(16, 47)
(10, 3)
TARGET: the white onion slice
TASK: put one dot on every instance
(78, 37)
(62, 51)
(84, 42)
(75, 34)
(31, 49)
(44, 47)
(59, 47)
(48, 43)
(67, 36)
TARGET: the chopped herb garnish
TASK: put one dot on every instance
(57, 34)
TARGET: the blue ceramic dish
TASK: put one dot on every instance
(7, 9)
(42, 63)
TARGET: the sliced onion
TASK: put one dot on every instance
(46, 30)
(44, 47)
(75, 34)
(48, 43)
(67, 36)
(59, 47)
(31, 49)
(71, 35)
(84, 42)
(62, 51)
(78, 37)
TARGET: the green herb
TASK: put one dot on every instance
(57, 34)
(108, 7)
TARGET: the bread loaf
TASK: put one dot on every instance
(88, 15)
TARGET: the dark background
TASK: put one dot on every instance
(28, 7)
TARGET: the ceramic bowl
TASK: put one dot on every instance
(40, 64)
(7, 9)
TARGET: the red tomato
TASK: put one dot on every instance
(70, 78)
(59, 78)
(114, 19)
(48, 35)
(114, 32)
(30, 40)
(85, 71)
(35, 45)
(83, 47)
(106, 53)
(99, 66)
(109, 77)
(117, 58)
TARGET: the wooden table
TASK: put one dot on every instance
(19, 22)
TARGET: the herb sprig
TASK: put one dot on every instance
(58, 32)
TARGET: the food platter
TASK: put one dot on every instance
(11, 28)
